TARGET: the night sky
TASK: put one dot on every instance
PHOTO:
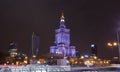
(90, 21)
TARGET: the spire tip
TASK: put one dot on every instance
(62, 15)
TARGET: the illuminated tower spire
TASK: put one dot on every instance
(62, 15)
(62, 20)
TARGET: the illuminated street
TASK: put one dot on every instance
(35, 68)
(54, 68)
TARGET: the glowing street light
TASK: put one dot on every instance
(115, 44)
(112, 44)
(109, 44)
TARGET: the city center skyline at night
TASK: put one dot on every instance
(90, 21)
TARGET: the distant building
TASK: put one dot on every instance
(62, 40)
(94, 49)
(35, 44)
(12, 49)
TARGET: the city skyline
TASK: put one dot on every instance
(90, 22)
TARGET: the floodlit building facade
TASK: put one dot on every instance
(62, 40)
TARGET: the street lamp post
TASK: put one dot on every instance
(118, 44)
(112, 45)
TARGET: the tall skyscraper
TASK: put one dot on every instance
(35, 44)
(12, 49)
(62, 40)
(94, 49)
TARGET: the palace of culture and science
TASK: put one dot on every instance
(62, 40)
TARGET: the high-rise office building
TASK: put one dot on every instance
(12, 49)
(62, 40)
(94, 49)
(35, 44)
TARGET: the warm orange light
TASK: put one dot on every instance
(82, 57)
(34, 56)
(95, 57)
(25, 61)
(109, 44)
(26, 57)
(115, 43)
(112, 44)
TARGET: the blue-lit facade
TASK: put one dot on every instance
(62, 40)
